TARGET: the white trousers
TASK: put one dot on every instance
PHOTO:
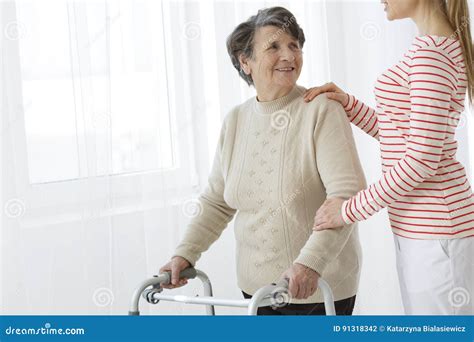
(436, 276)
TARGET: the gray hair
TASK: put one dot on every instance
(240, 41)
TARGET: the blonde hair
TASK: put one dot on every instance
(457, 12)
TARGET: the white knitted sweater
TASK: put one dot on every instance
(275, 164)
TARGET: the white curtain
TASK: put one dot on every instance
(110, 112)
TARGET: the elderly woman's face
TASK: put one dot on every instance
(277, 59)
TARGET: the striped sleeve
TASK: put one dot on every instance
(431, 84)
(362, 116)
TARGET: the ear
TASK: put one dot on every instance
(244, 64)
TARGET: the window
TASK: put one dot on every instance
(95, 89)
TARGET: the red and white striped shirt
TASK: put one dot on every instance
(419, 104)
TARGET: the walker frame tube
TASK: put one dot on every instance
(265, 296)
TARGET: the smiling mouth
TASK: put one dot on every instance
(285, 69)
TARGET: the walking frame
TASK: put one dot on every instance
(275, 294)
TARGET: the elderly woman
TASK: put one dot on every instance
(277, 160)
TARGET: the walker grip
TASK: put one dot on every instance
(188, 273)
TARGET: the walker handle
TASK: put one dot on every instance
(164, 278)
(188, 273)
(285, 283)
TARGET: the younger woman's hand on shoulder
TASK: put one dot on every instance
(332, 91)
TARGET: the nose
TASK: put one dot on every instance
(287, 55)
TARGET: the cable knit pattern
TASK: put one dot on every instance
(275, 164)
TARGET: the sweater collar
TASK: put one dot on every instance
(270, 107)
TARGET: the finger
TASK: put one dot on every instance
(315, 91)
(310, 90)
(164, 269)
(320, 213)
(293, 288)
(321, 226)
(174, 275)
(321, 209)
(300, 293)
(318, 227)
(320, 218)
(319, 222)
(341, 98)
(326, 225)
(303, 292)
(347, 100)
(328, 87)
(310, 95)
(307, 91)
(313, 94)
(308, 291)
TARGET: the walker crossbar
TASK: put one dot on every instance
(270, 295)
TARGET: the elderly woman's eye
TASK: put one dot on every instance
(295, 47)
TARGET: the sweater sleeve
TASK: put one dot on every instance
(213, 215)
(431, 85)
(341, 173)
(362, 116)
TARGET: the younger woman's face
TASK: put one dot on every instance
(400, 9)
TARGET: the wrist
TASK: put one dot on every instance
(306, 268)
(181, 259)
